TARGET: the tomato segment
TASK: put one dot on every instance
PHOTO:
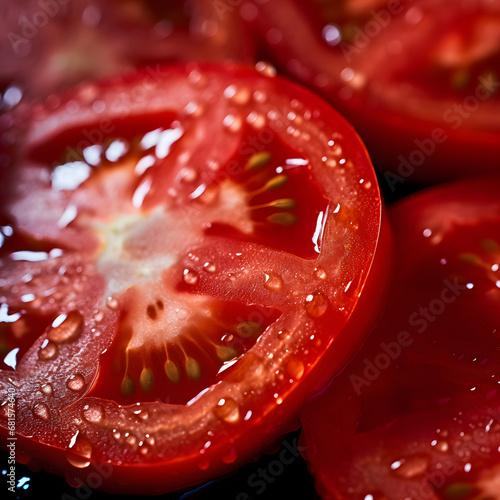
(420, 400)
(419, 80)
(218, 257)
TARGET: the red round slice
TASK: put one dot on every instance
(186, 258)
(418, 79)
(417, 412)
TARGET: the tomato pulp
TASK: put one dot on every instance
(416, 414)
(187, 257)
(418, 79)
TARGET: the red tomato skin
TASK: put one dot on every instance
(421, 146)
(236, 444)
(387, 416)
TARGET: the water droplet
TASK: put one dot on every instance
(316, 304)
(295, 368)
(99, 316)
(283, 335)
(79, 452)
(203, 464)
(320, 273)
(130, 439)
(188, 175)
(230, 456)
(47, 389)
(266, 68)
(257, 120)
(210, 267)
(227, 409)
(41, 411)
(76, 382)
(249, 366)
(67, 327)
(93, 413)
(48, 351)
(273, 282)
(112, 303)
(232, 123)
(411, 466)
(190, 276)
(442, 446)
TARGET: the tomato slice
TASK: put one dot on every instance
(416, 413)
(418, 79)
(197, 254)
(50, 44)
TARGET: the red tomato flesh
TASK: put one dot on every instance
(416, 414)
(418, 79)
(199, 252)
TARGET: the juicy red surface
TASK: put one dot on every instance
(304, 259)
(424, 387)
(399, 79)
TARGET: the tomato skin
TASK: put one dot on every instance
(155, 447)
(420, 400)
(415, 126)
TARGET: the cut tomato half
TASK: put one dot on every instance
(416, 414)
(183, 265)
(418, 79)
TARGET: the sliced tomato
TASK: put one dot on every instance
(416, 414)
(50, 44)
(187, 260)
(418, 79)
